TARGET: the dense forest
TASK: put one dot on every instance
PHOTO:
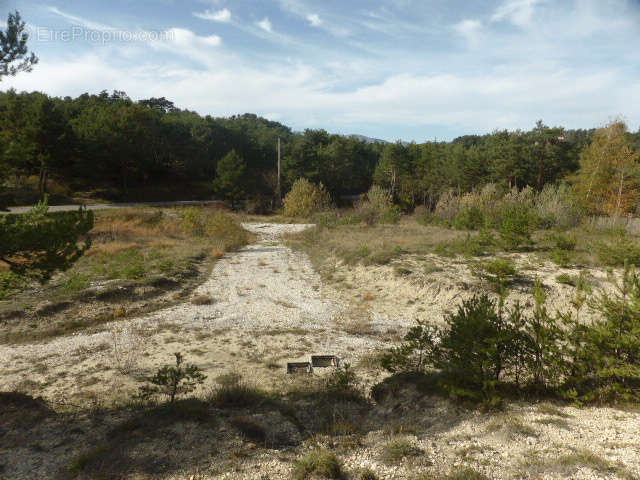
(112, 144)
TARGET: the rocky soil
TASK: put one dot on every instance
(261, 307)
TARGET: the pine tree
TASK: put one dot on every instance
(606, 355)
(229, 181)
(39, 243)
(14, 55)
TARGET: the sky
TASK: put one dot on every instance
(390, 69)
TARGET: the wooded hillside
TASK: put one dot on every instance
(114, 148)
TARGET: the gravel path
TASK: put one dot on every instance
(263, 287)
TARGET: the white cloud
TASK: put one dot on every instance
(297, 95)
(81, 21)
(184, 44)
(265, 24)
(517, 76)
(470, 29)
(184, 37)
(223, 15)
(519, 12)
(314, 19)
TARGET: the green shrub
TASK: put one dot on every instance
(305, 199)
(343, 384)
(605, 358)
(500, 273)
(480, 346)
(500, 267)
(560, 257)
(318, 464)
(516, 226)
(173, 381)
(565, 242)
(450, 206)
(579, 281)
(552, 207)
(543, 337)
(618, 249)
(39, 243)
(193, 221)
(10, 283)
(391, 215)
(485, 238)
(470, 218)
(473, 347)
(416, 353)
(486, 350)
(566, 279)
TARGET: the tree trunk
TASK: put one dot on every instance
(42, 184)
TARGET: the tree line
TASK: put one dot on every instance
(110, 141)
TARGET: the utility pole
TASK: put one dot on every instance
(278, 195)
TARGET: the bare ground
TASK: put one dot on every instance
(265, 305)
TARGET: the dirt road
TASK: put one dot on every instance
(260, 307)
(107, 206)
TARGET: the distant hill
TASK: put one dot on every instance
(367, 139)
(373, 140)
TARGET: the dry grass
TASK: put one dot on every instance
(511, 427)
(567, 465)
(378, 244)
(202, 300)
(385, 244)
(136, 254)
(127, 345)
(399, 449)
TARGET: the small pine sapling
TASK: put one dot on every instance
(418, 351)
(173, 381)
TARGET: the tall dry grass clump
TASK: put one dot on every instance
(490, 208)
(305, 198)
(556, 206)
(127, 346)
(220, 229)
(134, 225)
(469, 209)
(377, 207)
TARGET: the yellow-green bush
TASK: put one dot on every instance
(214, 226)
(378, 207)
(305, 199)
